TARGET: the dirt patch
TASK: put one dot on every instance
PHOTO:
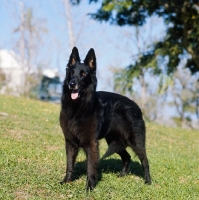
(21, 195)
(3, 115)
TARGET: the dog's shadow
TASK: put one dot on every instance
(108, 166)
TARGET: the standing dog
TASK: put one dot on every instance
(87, 116)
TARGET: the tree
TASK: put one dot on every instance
(136, 85)
(142, 91)
(2, 78)
(185, 94)
(182, 35)
(29, 32)
(71, 35)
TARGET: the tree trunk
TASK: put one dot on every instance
(69, 23)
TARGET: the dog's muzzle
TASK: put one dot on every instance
(74, 87)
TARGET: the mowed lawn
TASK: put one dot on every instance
(32, 160)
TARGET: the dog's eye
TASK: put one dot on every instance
(82, 73)
(72, 72)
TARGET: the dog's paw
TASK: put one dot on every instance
(125, 171)
(90, 184)
(121, 174)
(148, 182)
(65, 180)
(147, 179)
(62, 182)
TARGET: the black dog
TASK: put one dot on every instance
(87, 116)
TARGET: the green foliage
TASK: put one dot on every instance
(185, 94)
(180, 17)
(33, 160)
(122, 80)
(178, 121)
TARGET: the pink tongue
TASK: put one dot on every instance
(74, 95)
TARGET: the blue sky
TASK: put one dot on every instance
(114, 46)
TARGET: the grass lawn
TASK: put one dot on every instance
(32, 160)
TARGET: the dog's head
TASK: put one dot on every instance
(80, 76)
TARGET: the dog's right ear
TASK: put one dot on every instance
(74, 57)
(90, 59)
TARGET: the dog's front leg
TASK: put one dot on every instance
(71, 154)
(92, 154)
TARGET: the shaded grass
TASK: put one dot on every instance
(33, 160)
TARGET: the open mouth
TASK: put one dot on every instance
(74, 94)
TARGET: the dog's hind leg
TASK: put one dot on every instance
(113, 147)
(126, 162)
(71, 154)
(139, 148)
(119, 148)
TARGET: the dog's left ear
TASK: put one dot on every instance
(74, 57)
(90, 59)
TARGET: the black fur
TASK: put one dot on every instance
(87, 116)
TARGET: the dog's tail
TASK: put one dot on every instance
(113, 147)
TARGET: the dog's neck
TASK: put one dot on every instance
(80, 104)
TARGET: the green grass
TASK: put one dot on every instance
(32, 160)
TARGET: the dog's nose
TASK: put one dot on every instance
(72, 84)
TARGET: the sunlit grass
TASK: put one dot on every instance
(32, 160)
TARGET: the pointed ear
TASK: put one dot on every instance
(90, 59)
(74, 57)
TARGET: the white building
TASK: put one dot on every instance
(11, 73)
(12, 78)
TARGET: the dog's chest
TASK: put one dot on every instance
(79, 129)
